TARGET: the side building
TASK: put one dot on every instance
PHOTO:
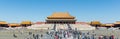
(26, 23)
(3, 24)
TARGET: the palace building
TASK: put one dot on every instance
(61, 17)
(117, 24)
(14, 25)
(95, 23)
(3, 24)
(109, 25)
(26, 23)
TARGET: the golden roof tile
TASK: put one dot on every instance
(95, 22)
(3, 22)
(26, 22)
(60, 15)
(117, 22)
(14, 24)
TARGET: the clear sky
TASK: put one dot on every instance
(106, 11)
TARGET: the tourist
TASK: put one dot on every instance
(34, 36)
(41, 35)
(88, 33)
(92, 37)
(112, 37)
(37, 36)
(14, 36)
(30, 33)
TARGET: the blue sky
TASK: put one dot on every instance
(106, 11)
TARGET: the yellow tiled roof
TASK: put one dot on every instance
(26, 22)
(61, 15)
(14, 24)
(95, 22)
(117, 22)
(109, 24)
(103, 24)
(3, 22)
